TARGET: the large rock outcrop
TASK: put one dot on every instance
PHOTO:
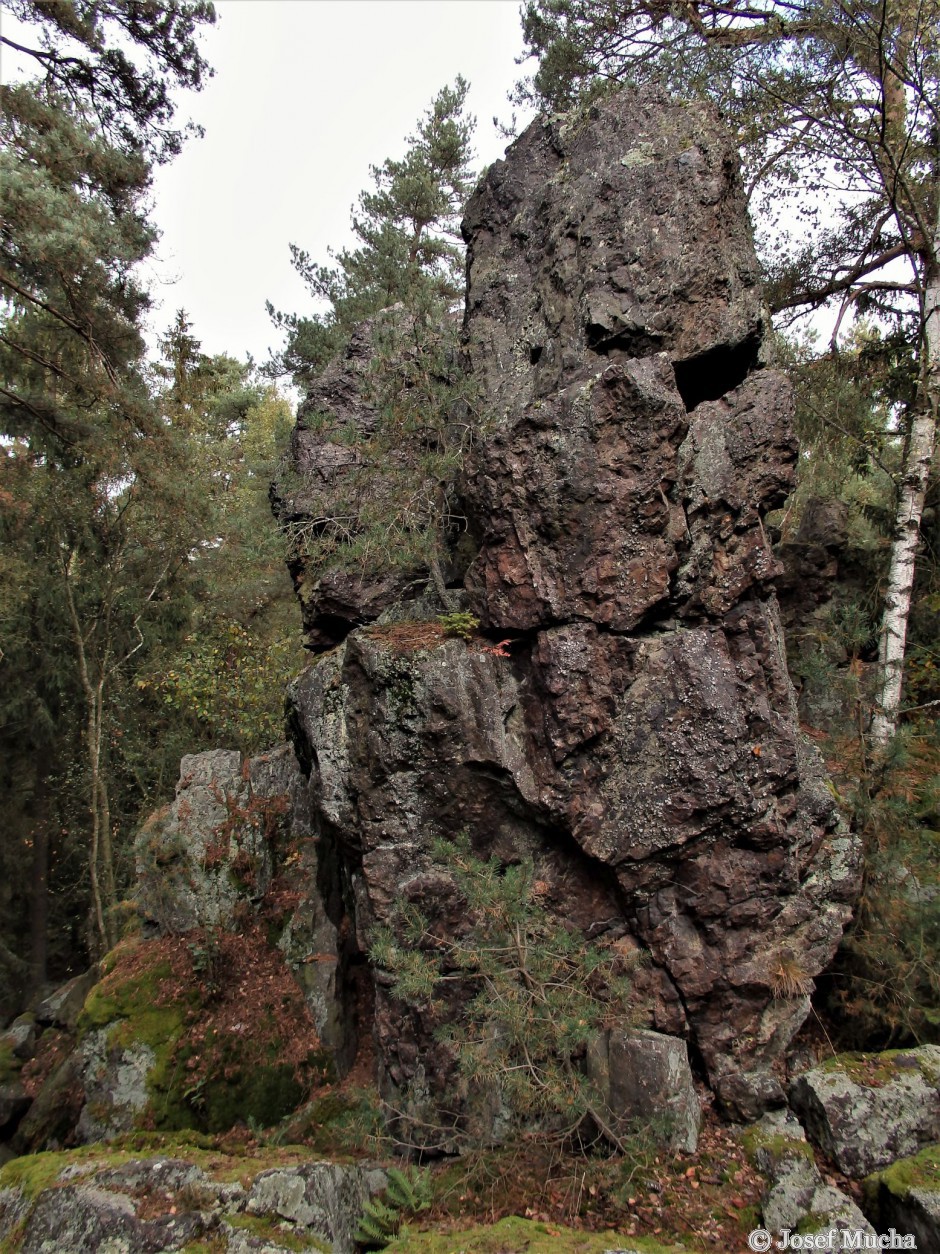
(635, 733)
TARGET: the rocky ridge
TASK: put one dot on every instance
(640, 740)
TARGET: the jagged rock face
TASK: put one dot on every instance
(616, 233)
(639, 741)
(619, 240)
(333, 480)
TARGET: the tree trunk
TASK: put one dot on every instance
(94, 701)
(917, 462)
(39, 906)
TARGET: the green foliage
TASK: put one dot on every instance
(394, 508)
(77, 144)
(407, 1193)
(228, 680)
(408, 250)
(91, 480)
(461, 624)
(838, 156)
(885, 984)
(537, 993)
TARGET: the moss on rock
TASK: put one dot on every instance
(877, 1069)
(9, 1063)
(275, 1233)
(762, 1147)
(214, 1064)
(920, 1171)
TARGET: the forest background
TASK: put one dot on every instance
(145, 609)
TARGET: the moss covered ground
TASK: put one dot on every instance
(522, 1236)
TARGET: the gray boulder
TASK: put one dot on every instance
(114, 1082)
(324, 1198)
(20, 1037)
(864, 1111)
(62, 1007)
(202, 854)
(906, 1197)
(646, 1082)
(151, 1205)
(796, 1196)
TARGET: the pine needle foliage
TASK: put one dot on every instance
(395, 508)
(408, 249)
(884, 989)
(537, 993)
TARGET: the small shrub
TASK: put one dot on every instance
(460, 624)
(539, 993)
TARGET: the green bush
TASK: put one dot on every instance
(539, 994)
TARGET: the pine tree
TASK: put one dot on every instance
(222, 679)
(92, 476)
(78, 142)
(408, 249)
(406, 276)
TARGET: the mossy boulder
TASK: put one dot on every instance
(203, 1031)
(94, 1198)
(906, 1197)
(864, 1111)
(796, 1197)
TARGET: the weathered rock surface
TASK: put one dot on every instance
(236, 831)
(647, 1084)
(906, 1197)
(210, 848)
(20, 1036)
(619, 232)
(796, 1197)
(336, 482)
(150, 1205)
(234, 854)
(114, 1082)
(637, 733)
(864, 1111)
(63, 1006)
(323, 1197)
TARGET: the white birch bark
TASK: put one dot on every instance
(917, 463)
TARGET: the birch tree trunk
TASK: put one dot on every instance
(917, 462)
(99, 841)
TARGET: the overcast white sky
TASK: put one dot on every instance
(307, 94)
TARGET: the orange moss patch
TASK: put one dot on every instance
(408, 637)
(53, 1049)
